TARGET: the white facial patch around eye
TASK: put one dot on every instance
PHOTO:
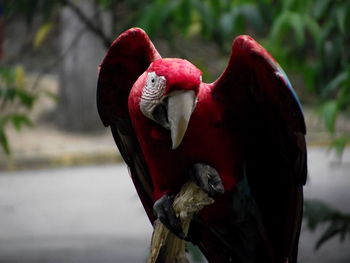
(152, 93)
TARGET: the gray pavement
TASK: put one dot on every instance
(84, 214)
(92, 214)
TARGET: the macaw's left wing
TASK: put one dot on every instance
(261, 106)
(127, 58)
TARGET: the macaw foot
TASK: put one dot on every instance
(207, 178)
(164, 211)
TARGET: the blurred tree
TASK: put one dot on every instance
(86, 42)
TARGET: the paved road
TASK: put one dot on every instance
(92, 214)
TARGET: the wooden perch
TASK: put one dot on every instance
(190, 200)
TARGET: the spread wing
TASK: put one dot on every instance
(127, 58)
(260, 105)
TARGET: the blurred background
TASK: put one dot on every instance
(65, 194)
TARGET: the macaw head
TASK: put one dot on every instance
(169, 95)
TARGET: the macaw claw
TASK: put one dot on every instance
(207, 178)
(164, 211)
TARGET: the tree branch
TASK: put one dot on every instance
(88, 23)
(49, 67)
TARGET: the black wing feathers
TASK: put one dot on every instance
(258, 97)
(127, 58)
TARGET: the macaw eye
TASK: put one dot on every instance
(152, 93)
(154, 88)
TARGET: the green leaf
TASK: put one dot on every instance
(343, 96)
(19, 77)
(315, 30)
(26, 98)
(341, 19)
(207, 18)
(254, 17)
(215, 6)
(7, 75)
(316, 213)
(41, 34)
(329, 114)
(331, 231)
(156, 16)
(19, 119)
(339, 145)
(50, 95)
(8, 94)
(320, 8)
(285, 21)
(335, 83)
(4, 142)
(105, 3)
(183, 15)
(240, 17)
(309, 73)
(287, 4)
(226, 24)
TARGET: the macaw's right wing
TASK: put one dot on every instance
(127, 58)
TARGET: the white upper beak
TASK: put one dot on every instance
(180, 107)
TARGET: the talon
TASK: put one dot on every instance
(207, 178)
(163, 210)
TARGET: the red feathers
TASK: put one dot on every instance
(179, 74)
(127, 58)
(247, 124)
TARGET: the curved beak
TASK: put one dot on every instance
(180, 108)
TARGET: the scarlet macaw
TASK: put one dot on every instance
(241, 138)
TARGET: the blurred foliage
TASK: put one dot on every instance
(30, 10)
(16, 98)
(15, 102)
(336, 223)
(307, 37)
(216, 20)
